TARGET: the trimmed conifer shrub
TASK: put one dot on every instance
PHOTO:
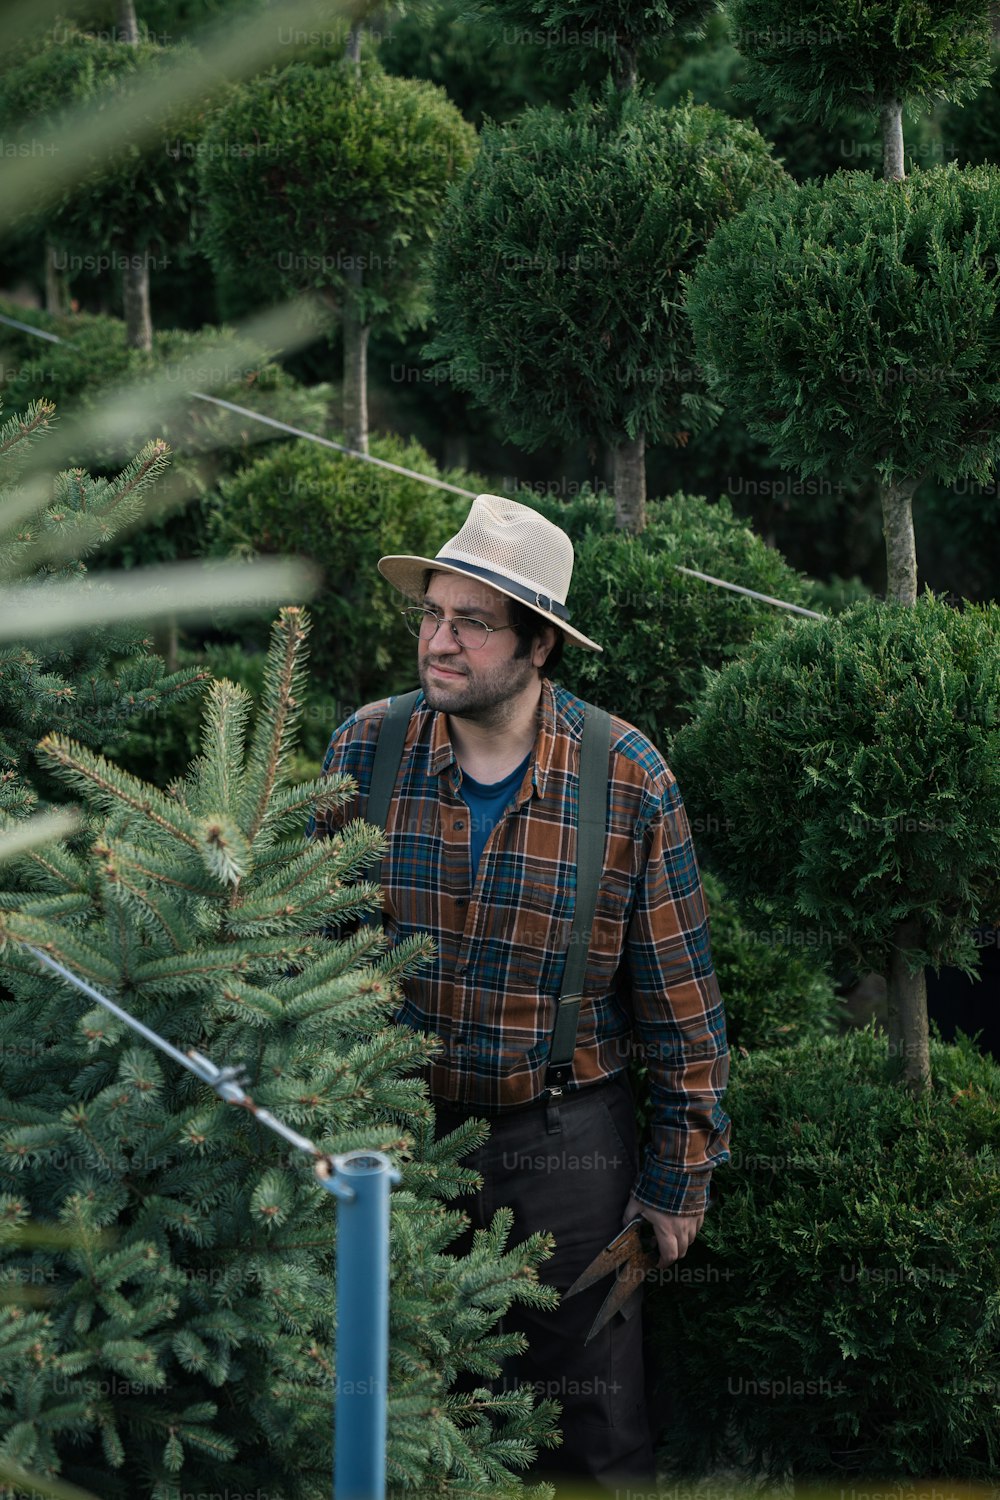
(661, 629)
(837, 1315)
(777, 986)
(345, 515)
(852, 324)
(558, 264)
(845, 774)
(182, 1340)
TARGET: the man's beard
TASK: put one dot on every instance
(480, 698)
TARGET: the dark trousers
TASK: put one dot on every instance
(569, 1169)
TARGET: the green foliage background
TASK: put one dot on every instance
(556, 304)
(837, 1315)
(846, 775)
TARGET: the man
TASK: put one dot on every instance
(482, 854)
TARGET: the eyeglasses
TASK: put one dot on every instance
(471, 635)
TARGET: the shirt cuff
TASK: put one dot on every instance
(673, 1191)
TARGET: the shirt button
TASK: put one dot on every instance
(459, 824)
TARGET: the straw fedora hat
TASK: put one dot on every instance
(513, 549)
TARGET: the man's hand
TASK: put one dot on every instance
(674, 1232)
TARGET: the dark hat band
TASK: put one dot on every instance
(520, 591)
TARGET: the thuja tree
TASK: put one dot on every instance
(660, 628)
(184, 1338)
(89, 685)
(849, 1272)
(847, 775)
(823, 58)
(337, 188)
(128, 205)
(557, 272)
(853, 325)
(621, 30)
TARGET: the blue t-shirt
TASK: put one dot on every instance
(486, 806)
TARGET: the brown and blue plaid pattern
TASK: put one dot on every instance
(490, 993)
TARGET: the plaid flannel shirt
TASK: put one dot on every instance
(490, 994)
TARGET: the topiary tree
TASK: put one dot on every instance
(344, 515)
(659, 628)
(853, 325)
(126, 207)
(185, 1334)
(340, 192)
(557, 272)
(845, 772)
(716, 75)
(822, 58)
(847, 1275)
(620, 30)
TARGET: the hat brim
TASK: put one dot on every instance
(407, 575)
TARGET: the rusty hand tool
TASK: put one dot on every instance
(631, 1258)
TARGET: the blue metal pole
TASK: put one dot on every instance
(361, 1183)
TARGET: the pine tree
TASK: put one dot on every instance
(85, 685)
(184, 1340)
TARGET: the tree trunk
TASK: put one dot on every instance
(352, 52)
(900, 546)
(135, 295)
(56, 291)
(607, 467)
(166, 641)
(456, 450)
(630, 484)
(892, 138)
(128, 26)
(907, 996)
(626, 67)
(355, 367)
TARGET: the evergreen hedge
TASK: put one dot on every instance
(93, 363)
(777, 992)
(659, 628)
(837, 1316)
(345, 514)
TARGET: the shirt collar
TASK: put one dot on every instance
(442, 752)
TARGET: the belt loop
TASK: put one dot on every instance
(553, 1123)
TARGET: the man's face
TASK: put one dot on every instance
(471, 684)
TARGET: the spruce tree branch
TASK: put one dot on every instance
(289, 636)
(18, 429)
(120, 786)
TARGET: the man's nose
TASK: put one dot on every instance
(443, 642)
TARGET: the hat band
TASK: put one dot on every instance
(536, 600)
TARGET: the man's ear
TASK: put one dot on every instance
(544, 642)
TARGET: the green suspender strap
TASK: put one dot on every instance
(595, 747)
(590, 832)
(385, 769)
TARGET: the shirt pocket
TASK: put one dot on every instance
(543, 931)
(541, 936)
